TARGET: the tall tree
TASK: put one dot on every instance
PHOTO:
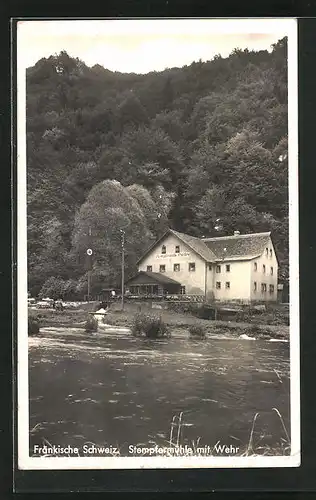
(108, 210)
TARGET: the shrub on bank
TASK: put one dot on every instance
(152, 327)
(272, 315)
(205, 312)
(137, 325)
(33, 326)
(91, 325)
(197, 332)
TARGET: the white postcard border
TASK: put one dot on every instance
(25, 462)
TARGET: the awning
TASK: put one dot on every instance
(149, 278)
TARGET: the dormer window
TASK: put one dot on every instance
(270, 253)
(177, 249)
(163, 249)
(267, 251)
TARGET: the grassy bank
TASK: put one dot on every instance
(74, 318)
(178, 323)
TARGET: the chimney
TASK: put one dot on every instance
(236, 233)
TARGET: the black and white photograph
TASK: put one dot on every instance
(157, 246)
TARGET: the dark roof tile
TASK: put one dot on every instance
(197, 245)
(158, 277)
(241, 246)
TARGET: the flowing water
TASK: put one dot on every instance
(117, 390)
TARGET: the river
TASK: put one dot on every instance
(117, 390)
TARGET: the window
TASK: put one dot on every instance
(149, 269)
(227, 284)
(254, 286)
(218, 285)
(227, 268)
(270, 253)
(263, 287)
(177, 249)
(163, 249)
(271, 271)
(267, 252)
(271, 288)
(191, 266)
(255, 266)
(182, 290)
(162, 268)
(264, 269)
(210, 267)
(176, 267)
(218, 269)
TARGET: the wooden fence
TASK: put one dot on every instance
(129, 297)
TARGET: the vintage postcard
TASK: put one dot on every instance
(158, 281)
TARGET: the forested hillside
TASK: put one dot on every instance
(202, 149)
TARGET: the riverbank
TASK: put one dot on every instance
(115, 389)
(177, 323)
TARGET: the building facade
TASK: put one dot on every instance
(230, 268)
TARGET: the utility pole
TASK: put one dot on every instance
(123, 265)
(89, 252)
(89, 284)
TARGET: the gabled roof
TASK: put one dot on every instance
(196, 244)
(236, 247)
(239, 247)
(153, 245)
(158, 277)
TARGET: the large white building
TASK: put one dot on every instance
(242, 267)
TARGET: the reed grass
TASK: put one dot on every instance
(176, 438)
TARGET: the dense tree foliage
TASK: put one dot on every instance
(185, 148)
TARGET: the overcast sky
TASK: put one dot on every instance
(143, 45)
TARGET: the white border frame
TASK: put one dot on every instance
(25, 462)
